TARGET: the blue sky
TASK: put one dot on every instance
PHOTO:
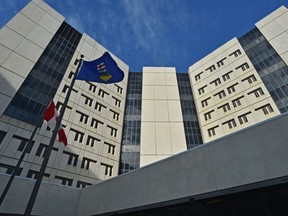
(172, 33)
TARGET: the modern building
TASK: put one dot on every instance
(39, 53)
(229, 111)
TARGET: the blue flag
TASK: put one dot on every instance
(101, 70)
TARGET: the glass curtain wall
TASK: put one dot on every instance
(130, 153)
(269, 65)
(44, 79)
(190, 119)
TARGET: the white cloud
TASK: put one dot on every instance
(75, 21)
(143, 20)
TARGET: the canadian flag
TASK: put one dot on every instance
(50, 115)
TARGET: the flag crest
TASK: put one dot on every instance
(101, 70)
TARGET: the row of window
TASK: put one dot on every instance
(89, 100)
(250, 79)
(79, 136)
(33, 174)
(94, 122)
(87, 162)
(93, 87)
(68, 182)
(225, 107)
(73, 158)
(257, 92)
(219, 64)
(266, 109)
(42, 147)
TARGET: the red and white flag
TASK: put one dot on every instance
(50, 115)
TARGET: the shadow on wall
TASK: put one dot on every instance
(7, 91)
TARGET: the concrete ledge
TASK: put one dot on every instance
(255, 156)
(52, 199)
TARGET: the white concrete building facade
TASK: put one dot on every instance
(31, 44)
(162, 131)
(228, 92)
(241, 83)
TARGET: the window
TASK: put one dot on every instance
(236, 53)
(71, 74)
(92, 87)
(221, 94)
(66, 87)
(202, 90)
(204, 103)
(86, 163)
(23, 143)
(198, 76)
(212, 131)
(250, 79)
(232, 89)
(243, 118)
(111, 148)
(102, 93)
(108, 169)
(225, 107)
(59, 106)
(2, 135)
(211, 68)
(76, 61)
(95, 123)
(81, 184)
(221, 62)
(266, 109)
(117, 101)
(257, 92)
(10, 169)
(99, 106)
(33, 174)
(207, 115)
(41, 150)
(113, 131)
(115, 114)
(78, 135)
(226, 76)
(216, 82)
(119, 89)
(83, 117)
(91, 141)
(64, 181)
(236, 102)
(73, 158)
(88, 100)
(243, 67)
(231, 123)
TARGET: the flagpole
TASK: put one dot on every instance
(27, 147)
(50, 146)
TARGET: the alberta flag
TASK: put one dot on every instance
(50, 115)
(101, 70)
